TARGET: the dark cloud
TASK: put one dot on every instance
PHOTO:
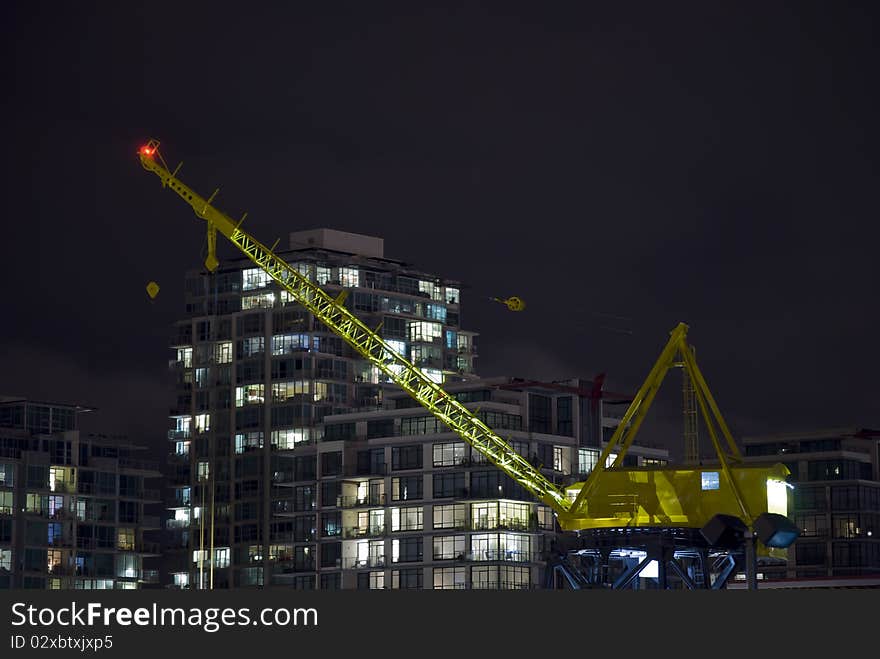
(708, 164)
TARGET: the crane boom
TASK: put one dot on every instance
(332, 312)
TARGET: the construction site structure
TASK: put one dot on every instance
(730, 504)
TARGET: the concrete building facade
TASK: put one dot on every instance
(836, 501)
(71, 505)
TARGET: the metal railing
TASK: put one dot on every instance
(492, 524)
(510, 556)
(364, 531)
(358, 563)
(355, 502)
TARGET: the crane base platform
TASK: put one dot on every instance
(646, 558)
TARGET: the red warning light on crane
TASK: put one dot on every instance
(146, 150)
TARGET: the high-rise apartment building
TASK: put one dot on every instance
(71, 505)
(836, 500)
(295, 461)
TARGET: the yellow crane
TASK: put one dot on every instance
(614, 497)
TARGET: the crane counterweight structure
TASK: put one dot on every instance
(610, 498)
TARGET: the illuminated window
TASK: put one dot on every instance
(545, 518)
(185, 357)
(406, 519)
(125, 539)
(253, 278)
(422, 330)
(259, 301)
(406, 488)
(397, 346)
(431, 290)
(286, 343)
(406, 550)
(561, 460)
(53, 560)
(436, 312)
(777, 497)
(250, 394)
(202, 422)
(349, 277)
(5, 559)
(408, 579)
(127, 566)
(5, 503)
(291, 437)
(709, 480)
(56, 506)
(322, 274)
(452, 295)
(499, 577)
(451, 516)
(449, 454)
(282, 391)
(450, 578)
(7, 474)
(447, 547)
(252, 346)
(587, 459)
(223, 352)
(249, 441)
(35, 503)
(181, 580)
(377, 580)
(204, 471)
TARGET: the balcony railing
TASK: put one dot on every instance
(150, 576)
(290, 566)
(511, 556)
(502, 585)
(359, 563)
(364, 531)
(151, 522)
(355, 502)
(150, 548)
(138, 465)
(492, 524)
(380, 469)
(177, 523)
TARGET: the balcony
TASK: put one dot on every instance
(149, 576)
(151, 522)
(492, 524)
(364, 531)
(360, 563)
(131, 464)
(380, 469)
(503, 585)
(505, 555)
(173, 524)
(291, 566)
(356, 502)
(150, 548)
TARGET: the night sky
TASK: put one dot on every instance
(620, 166)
